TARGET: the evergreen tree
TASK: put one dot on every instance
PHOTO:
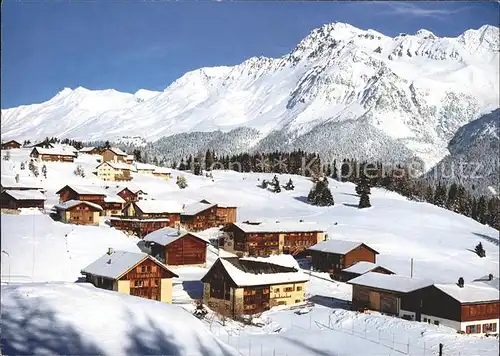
(480, 250)
(196, 167)
(209, 160)
(137, 155)
(44, 171)
(451, 201)
(440, 195)
(482, 210)
(474, 209)
(320, 194)
(107, 144)
(335, 173)
(31, 166)
(181, 182)
(79, 172)
(182, 165)
(174, 165)
(364, 200)
(6, 156)
(494, 213)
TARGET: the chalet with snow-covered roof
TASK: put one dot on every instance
(226, 212)
(16, 199)
(113, 154)
(94, 194)
(200, 216)
(133, 273)
(333, 255)
(10, 145)
(471, 308)
(384, 292)
(113, 171)
(162, 173)
(113, 204)
(176, 247)
(144, 168)
(52, 155)
(89, 150)
(264, 239)
(19, 183)
(78, 212)
(234, 286)
(362, 267)
(145, 216)
(129, 159)
(129, 194)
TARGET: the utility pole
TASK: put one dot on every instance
(411, 268)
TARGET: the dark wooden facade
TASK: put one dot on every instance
(384, 301)
(138, 227)
(186, 250)
(52, 157)
(9, 202)
(81, 214)
(67, 193)
(128, 195)
(227, 214)
(10, 145)
(110, 155)
(334, 263)
(203, 220)
(112, 208)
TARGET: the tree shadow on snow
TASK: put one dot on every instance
(351, 205)
(193, 288)
(488, 238)
(302, 199)
(330, 302)
(38, 330)
(351, 194)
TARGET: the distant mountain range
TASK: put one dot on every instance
(343, 91)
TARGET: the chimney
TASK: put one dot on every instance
(461, 282)
(17, 178)
(490, 277)
(110, 251)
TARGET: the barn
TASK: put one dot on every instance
(177, 248)
(16, 199)
(131, 273)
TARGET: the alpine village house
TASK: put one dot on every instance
(114, 154)
(16, 199)
(132, 273)
(177, 248)
(52, 155)
(265, 239)
(113, 171)
(234, 286)
(10, 145)
(78, 212)
(472, 308)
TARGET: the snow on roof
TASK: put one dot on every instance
(226, 254)
(167, 235)
(116, 165)
(113, 198)
(196, 208)
(24, 182)
(242, 278)
(117, 151)
(280, 227)
(31, 194)
(162, 170)
(280, 260)
(220, 204)
(485, 280)
(130, 157)
(87, 149)
(144, 166)
(340, 247)
(392, 282)
(361, 267)
(210, 233)
(54, 151)
(116, 264)
(159, 206)
(86, 190)
(470, 293)
(71, 203)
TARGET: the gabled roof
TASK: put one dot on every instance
(196, 208)
(31, 194)
(485, 280)
(220, 204)
(87, 149)
(113, 198)
(118, 263)
(72, 203)
(363, 267)
(24, 182)
(84, 190)
(117, 151)
(279, 227)
(54, 151)
(340, 247)
(167, 235)
(470, 293)
(6, 142)
(116, 165)
(391, 282)
(256, 273)
(158, 206)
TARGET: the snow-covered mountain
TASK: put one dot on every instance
(473, 159)
(342, 90)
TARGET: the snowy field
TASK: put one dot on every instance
(439, 241)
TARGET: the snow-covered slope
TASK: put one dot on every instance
(408, 94)
(79, 319)
(473, 159)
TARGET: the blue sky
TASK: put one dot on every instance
(131, 45)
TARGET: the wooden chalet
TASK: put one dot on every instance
(52, 155)
(384, 293)
(145, 168)
(177, 248)
(113, 205)
(132, 273)
(129, 194)
(162, 173)
(16, 199)
(92, 194)
(264, 239)
(89, 150)
(200, 216)
(78, 212)
(19, 183)
(129, 159)
(362, 267)
(113, 154)
(333, 256)
(113, 171)
(226, 212)
(234, 286)
(145, 216)
(10, 145)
